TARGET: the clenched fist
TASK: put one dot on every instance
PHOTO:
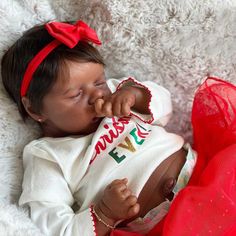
(117, 202)
(120, 103)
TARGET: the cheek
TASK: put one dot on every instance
(67, 112)
(73, 114)
(54, 110)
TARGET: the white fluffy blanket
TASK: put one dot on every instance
(176, 43)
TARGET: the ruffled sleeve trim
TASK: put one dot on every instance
(147, 118)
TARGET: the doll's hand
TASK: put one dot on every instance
(117, 202)
(118, 104)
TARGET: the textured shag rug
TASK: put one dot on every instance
(176, 43)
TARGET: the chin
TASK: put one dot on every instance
(92, 127)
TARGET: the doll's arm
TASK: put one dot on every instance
(50, 199)
(116, 204)
(153, 102)
(58, 218)
(122, 101)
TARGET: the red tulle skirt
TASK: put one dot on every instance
(207, 205)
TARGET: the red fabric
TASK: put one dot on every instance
(67, 34)
(70, 35)
(33, 65)
(207, 206)
(213, 120)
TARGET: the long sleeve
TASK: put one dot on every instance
(57, 219)
(49, 196)
(160, 105)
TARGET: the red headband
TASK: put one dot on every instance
(64, 33)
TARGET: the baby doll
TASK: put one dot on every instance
(103, 146)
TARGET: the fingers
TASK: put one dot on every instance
(125, 108)
(118, 181)
(116, 109)
(98, 106)
(103, 108)
(131, 200)
(121, 106)
(117, 105)
(118, 202)
(119, 186)
(134, 210)
(126, 193)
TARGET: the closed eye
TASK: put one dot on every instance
(77, 95)
(100, 83)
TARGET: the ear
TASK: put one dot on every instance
(27, 105)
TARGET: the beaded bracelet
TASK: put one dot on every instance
(101, 220)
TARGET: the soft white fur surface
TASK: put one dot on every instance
(176, 43)
(14, 221)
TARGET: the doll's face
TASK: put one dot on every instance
(69, 106)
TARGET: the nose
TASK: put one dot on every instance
(94, 94)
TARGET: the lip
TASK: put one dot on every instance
(97, 119)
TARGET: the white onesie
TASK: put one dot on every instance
(61, 171)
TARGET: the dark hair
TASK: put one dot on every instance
(17, 57)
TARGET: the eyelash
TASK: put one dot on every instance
(96, 84)
(77, 95)
(100, 83)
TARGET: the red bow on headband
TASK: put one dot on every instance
(70, 35)
(64, 33)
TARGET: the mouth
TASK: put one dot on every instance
(97, 119)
